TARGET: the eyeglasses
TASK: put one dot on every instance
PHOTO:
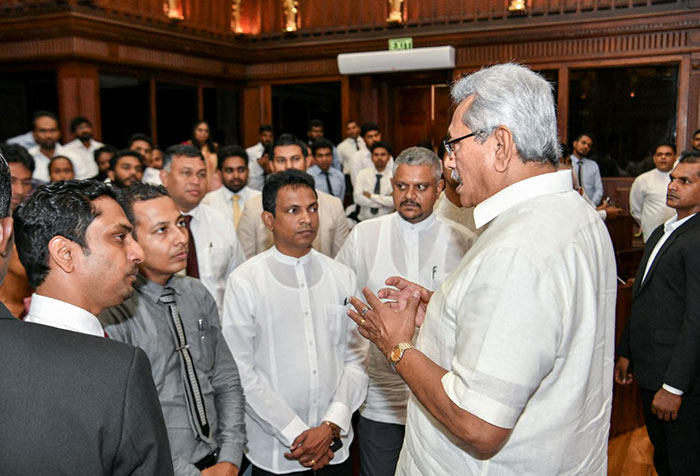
(447, 144)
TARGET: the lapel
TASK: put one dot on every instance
(671, 239)
(5, 313)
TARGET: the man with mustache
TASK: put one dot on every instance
(46, 135)
(659, 347)
(83, 148)
(165, 309)
(424, 248)
(125, 168)
(372, 188)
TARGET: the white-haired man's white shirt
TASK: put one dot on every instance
(424, 253)
(85, 165)
(41, 162)
(218, 249)
(648, 201)
(222, 199)
(300, 358)
(525, 328)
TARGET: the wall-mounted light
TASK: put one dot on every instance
(291, 15)
(173, 9)
(517, 6)
(236, 26)
(396, 12)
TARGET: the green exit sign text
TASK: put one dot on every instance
(401, 44)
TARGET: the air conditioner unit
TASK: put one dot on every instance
(438, 57)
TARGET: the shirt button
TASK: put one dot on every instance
(314, 372)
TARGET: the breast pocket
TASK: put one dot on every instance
(203, 342)
(336, 319)
(217, 262)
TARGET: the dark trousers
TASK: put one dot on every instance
(342, 469)
(676, 443)
(380, 445)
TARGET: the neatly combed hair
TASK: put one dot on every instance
(290, 139)
(368, 127)
(41, 113)
(125, 153)
(690, 157)
(380, 145)
(321, 143)
(102, 150)
(179, 150)
(62, 208)
(420, 156)
(230, 151)
(584, 134)
(57, 157)
(139, 136)
(314, 123)
(78, 121)
(665, 144)
(15, 153)
(139, 192)
(5, 187)
(289, 178)
(266, 128)
(513, 96)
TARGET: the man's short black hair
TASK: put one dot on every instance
(266, 128)
(289, 178)
(139, 192)
(180, 150)
(368, 127)
(41, 113)
(125, 153)
(230, 151)
(321, 143)
(15, 153)
(696, 133)
(78, 121)
(104, 149)
(5, 188)
(315, 123)
(380, 145)
(62, 208)
(691, 156)
(666, 144)
(58, 157)
(581, 134)
(138, 136)
(290, 139)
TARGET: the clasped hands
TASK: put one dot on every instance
(389, 323)
(312, 448)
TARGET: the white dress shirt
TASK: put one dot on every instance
(221, 199)
(85, 165)
(41, 162)
(525, 328)
(347, 149)
(462, 215)
(424, 253)
(648, 201)
(62, 315)
(300, 358)
(151, 175)
(256, 174)
(218, 249)
(382, 201)
(590, 177)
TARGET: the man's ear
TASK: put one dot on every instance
(5, 236)
(505, 148)
(164, 177)
(61, 253)
(309, 161)
(440, 186)
(267, 219)
(110, 174)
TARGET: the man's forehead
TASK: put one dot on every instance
(157, 210)
(287, 150)
(414, 173)
(300, 194)
(182, 161)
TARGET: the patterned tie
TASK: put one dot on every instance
(192, 389)
(377, 190)
(236, 210)
(192, 265)
(328, 182)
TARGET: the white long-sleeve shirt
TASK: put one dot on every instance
(300, 357)
(424, 253)
(347, 148)
(85, 166)
(221, 199)
(41, 162)
(648, 201)
(256, 174)
(382, 201)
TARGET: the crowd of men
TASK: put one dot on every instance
(463, 303)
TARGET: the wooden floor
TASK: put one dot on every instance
(631, 454)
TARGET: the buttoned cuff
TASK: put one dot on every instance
(294, 429)
(231, 454)
(672, 390)
(339, 414)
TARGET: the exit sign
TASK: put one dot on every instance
(401, 44)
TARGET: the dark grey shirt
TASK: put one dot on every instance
(143, 321)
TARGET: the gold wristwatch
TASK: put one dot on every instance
(397, 353)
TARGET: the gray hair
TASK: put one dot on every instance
(512, 95)
(420, 156)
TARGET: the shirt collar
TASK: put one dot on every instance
(577, 158)
(674, 223)
(384, 173)
(290, 260)
(502, 201)
(194, 212)
(228, 194)
(409, 227)
(63, 315)
(151, 289)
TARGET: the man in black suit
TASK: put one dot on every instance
(71, 403)
(661, 342)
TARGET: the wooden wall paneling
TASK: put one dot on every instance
(693, 97)
(78, 95)
(682, 109)
(200, 102)
(563, 104)
(154, 110)
(256, 110)
(345, 102)
(368, 110)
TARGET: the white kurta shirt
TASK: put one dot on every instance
(62, 315)
(300, 358)
(424, 253)
(41, 162)
(462, 215)
(525, 328)
(648, 201)
(85, 165)
(256, 174)
(221, 199)
(347, 149)
(218, 249)
(382, 201)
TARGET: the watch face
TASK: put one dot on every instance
(395, 354)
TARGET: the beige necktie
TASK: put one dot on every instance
(236, 210)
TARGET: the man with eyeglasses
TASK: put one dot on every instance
(512, 370)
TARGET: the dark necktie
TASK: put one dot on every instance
(192, 389)
(377, 190)
(357, 145)
(580, 174)
(328, 182)
(192, 265)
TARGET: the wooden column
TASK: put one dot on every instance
(683, 127)
(563, 104)
(693, 99)
(256, 110)
(78, 95)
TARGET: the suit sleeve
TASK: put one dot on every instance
(247, 228)
(341, 230)
(144, 448)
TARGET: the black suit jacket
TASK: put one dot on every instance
(75, 404)
(662, 337)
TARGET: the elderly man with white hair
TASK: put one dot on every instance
(511, 373)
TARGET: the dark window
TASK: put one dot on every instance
(124, 102)
(176, 113)
(221, 112)
(21, 94)
(294, 105)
